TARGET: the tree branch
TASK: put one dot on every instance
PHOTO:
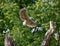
(8, 40)
(49, 34)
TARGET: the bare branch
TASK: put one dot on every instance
(49, 34)
(8, 40)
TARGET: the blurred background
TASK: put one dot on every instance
(42, 11)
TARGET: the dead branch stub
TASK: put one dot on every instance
(49, 34)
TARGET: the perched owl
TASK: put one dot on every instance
(26, 20)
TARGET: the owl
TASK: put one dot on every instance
(26, 20)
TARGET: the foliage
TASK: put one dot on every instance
(42, 11)
(7, 14)
(1, 40)
(21, 3)
(24, 3)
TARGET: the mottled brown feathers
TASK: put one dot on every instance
(26, 20)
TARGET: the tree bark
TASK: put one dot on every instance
(8, 40)
(49, 34)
